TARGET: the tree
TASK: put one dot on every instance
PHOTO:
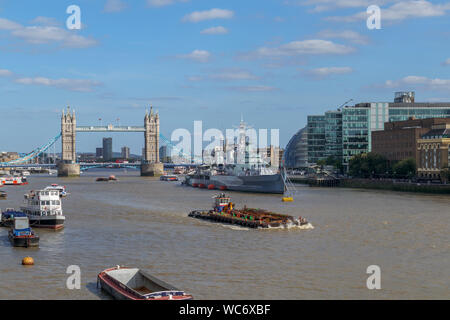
(405, 168)
(367, 165)
(335, 162)
(445, 174)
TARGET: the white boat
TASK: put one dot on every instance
(13, 181)
(125, 283)
(25, 173)
(43, 208)
(57, 187)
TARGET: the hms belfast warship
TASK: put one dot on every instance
(247, 175)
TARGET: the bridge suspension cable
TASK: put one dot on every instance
(33, 154)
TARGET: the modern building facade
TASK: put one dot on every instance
(316, 138)
(99, 152)
(107, 149)
(296, 152)
(398, 140)
(125, 152)
(433, 151)
(353, 125)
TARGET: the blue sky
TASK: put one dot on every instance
(275, 61)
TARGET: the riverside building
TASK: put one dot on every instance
(347, 132)
(433, 151)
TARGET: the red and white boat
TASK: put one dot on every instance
(13, 181)
(124, 283)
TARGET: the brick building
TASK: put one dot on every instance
(399, 139)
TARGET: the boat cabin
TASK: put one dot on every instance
(21, 226)
(43, 203)
(221, 201)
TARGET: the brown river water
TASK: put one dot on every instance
(143, 222)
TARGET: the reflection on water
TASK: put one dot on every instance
(143, 222)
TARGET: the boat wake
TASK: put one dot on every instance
(289, 226)
(292, 226)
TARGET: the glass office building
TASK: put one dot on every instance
(333, 134)
(316, 138)
(296, 152)
(107, 149)
(347, 132)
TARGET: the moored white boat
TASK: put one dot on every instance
(44, 209)
(124, 283)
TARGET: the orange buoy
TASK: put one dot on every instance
(27, 261)
(223, 188)
(211, 187)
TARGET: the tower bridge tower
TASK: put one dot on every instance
(68, 136)
(68, 166)
(151, 165)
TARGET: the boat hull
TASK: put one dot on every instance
(120, 291)
(47, 222)
(257, 184)
(24, 241)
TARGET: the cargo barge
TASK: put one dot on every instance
(224, 212)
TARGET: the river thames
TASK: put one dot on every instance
(143, 222)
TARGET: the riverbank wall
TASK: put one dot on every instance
(391, 185)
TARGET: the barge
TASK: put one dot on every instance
(21, 234)
(124, 283)
(223, 211)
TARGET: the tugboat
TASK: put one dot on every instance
(125, 283)
(21, 234)
(110, 178)
(224, 211)
(168, 178)
(43, 208)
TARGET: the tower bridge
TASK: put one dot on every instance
(150, 165)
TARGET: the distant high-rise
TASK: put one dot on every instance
(125, 152)
(99, 152)
(107, 149)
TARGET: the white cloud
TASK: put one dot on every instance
(349, 35)
(6, 24)
(46, 34)
(5, 73)
(253, 88)
(46, 21)
(215, 13)
(80, 85)
(419, 81)
(114, 6)
(400, 11)
(233, 74)
(328, 71)
(159, 3)
(194, 78)
(325, 5)
(305, 47)
(215, 30)
(197, 55)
